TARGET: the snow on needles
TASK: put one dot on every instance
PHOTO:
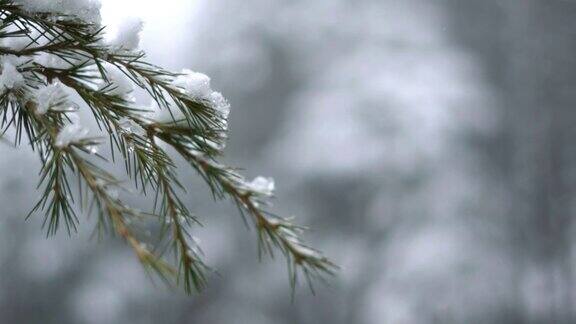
(118, 83)
(126, 37)
(72, 133)
(261, 185)
(122, 36)
(197, 86)
(88, 10)
(10, 77)
(48, 97)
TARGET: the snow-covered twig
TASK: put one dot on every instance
(47, 52)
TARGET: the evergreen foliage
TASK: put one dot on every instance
(51, 59)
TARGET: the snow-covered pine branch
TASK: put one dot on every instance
(51, 51)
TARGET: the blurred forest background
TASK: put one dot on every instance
(429, 144)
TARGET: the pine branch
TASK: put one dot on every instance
(194, 125)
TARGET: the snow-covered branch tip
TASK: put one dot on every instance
(53, 51)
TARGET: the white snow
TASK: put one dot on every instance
(122, 35)
(220, 104)
(197, 86)
(71, 133)
(118, 83)
(48, 97)
(52, 61)
(15, 43)
(163, 115)
(88, 10)
(306, 251)
(126, 35)
(129, 126)
(10, 77)
(262, 185)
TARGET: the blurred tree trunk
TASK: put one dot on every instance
(528, 47)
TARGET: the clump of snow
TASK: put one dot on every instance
(88, 10)
(128, 126)
(53, 61)
(261, 185)
(127, 36)
(124, 36)
(48, 97)
(305, 251)
(195, 84)
(297, 246)
(118, 83)
(172, 114)
(71, 133)
(10, 77)
(17, 42)
(220, 104)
